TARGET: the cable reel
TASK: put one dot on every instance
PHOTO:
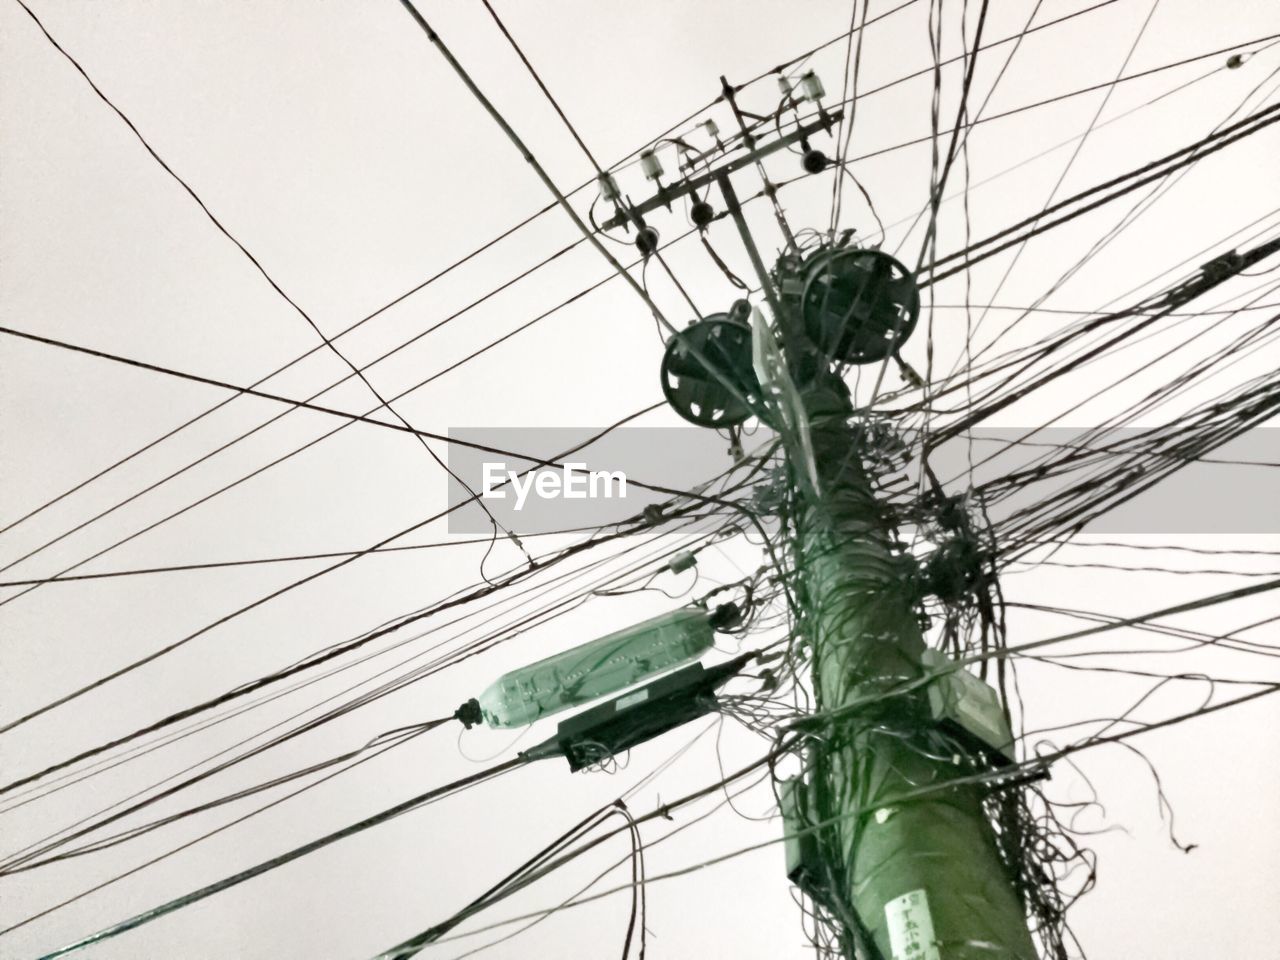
(699, 394)
(858, 305)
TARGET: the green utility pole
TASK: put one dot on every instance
(906, 860)
(916, 877)
(910, 862)
(898, 847)
(904, 856)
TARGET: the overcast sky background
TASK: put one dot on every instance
(332, 140)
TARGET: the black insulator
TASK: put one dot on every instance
(647, 241)
(726, 617)
(702, 213)
(469, 713)
(814, 161)
(740, 311)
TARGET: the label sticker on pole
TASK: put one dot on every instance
(911, 927)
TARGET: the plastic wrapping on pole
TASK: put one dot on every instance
(597, 669)
(935, 854)
(941, 845)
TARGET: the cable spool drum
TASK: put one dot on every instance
(858, 305)
(698, 394)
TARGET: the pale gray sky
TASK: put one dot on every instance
(335, 144)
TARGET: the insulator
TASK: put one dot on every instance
(651, 165)
(712, 130)
(811, 87)
(647, 241)
(784, 85)
(701, 213)
(858, 305)
(722, 394)
(609, 188)
(814, 161)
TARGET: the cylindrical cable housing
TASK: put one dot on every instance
(601, 667)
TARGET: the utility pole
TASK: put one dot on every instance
(904, 859)
(905, 855)
(910, 860)
(907, 861)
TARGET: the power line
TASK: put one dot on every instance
(1069, 94)
(1184, 157)
(405, 806)
(1049, 343)
(446, 270)
(543, 87)
(417, 386)
(467, 595)
(298, 359)
(1079, 146)
(204, 836)
(1204, 426)
(384, 356)
(294, 558)
(1040, 762)
(590, 235)
(935, 197)
(239, 245)
(297, 404)
(510, 630)
(31, 860)
(248, 688)
(403, 296)
(321, 657)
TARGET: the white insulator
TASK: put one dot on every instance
(811, 87)
(651, 165)
(609, 188)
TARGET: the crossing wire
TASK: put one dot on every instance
(1267, 691)
(384, 356)
(429, 280)
(390, 813)
(257, 264)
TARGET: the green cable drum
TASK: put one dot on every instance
(699, 391)
(858, 305)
